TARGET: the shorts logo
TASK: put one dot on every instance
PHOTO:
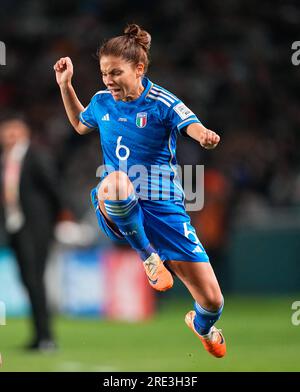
(141, 120)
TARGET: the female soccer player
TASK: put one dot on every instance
(139, 122)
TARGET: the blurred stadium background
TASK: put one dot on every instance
(230, 62)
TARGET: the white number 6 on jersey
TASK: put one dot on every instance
(120, 147)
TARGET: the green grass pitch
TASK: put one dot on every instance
(259, 332)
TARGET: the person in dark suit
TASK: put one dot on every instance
(30, 202)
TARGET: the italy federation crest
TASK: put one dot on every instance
(141, 120)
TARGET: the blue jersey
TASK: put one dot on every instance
(139, 137)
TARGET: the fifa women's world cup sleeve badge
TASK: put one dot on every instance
(141, 120)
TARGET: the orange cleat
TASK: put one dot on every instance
(213, 342)
(158, 275)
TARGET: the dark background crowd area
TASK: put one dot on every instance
(230, 62)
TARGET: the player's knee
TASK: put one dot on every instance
(116, 186)
(213, 301)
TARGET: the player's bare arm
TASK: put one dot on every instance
(207, 138)
(64, 72)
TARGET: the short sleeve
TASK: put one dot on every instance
(179, 116)
(87, 116)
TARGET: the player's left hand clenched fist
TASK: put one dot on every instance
(209, 139)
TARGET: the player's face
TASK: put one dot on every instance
(121, 77)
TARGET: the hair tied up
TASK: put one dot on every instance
(133, 46)
(142, 37)
(132, 31)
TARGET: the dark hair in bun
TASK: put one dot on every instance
(133, 46)
(141, 37)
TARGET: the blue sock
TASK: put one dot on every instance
(205, 319)
(127, 215)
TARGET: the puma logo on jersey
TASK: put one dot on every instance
(105, 117)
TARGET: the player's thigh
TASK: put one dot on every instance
(200, 280)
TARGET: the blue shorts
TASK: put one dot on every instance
(167, 226)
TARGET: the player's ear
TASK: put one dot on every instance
(140, 68)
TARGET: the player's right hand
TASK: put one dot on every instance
(63, 70)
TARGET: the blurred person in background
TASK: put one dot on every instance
(213, 220)
(139, 122)
(30, 203)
